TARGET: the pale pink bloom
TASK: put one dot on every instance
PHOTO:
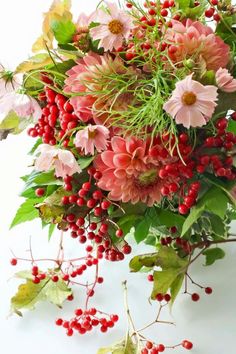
(23, 105)
(85, 20)
(129, 173)
(63, 161)
(191, 103)
(9, 81)
(91, 137)
(88, 78)
(114, 26)
(197, 41)
(225, 80)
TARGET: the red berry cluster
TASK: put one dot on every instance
(216, 156)
(196, 297)
(211, 12)
(152, 348)
(85, 321)
(57, 120)
(163, 297)
(94, 224)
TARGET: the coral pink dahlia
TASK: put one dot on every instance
(91, 137)
(225, 80)
(129, 173)
(197, 41)
(191, 103)
(89, 78)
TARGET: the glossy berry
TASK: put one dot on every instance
(161, 348)
(187, 345)
(183, 209)
(39, 192)
(208, 290)
(13, 261)
(195, 297)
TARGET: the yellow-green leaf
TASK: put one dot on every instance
(35, 62)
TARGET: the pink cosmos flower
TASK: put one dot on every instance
(89, 78)
(24, 106)
(129, 173)
(197, 41)
(85, 20)
(63, 161)
(191, 103)
(91, 137)
(114, 26)
(225, 80)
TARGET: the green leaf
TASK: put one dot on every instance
(213, 254)
(142, 230)
(176, 286)
(163, 281)
(217, 225)
(85, 161)
(183, 4)
(123, 347)
(145, 260)
(63, 30)
(167, 218)
(232, 126)
(193, 216)
(36, 145)
(127, 222)
(29, 294)
(51, 230)
(37, 61)
(51, 209)
(26, 212)
(36, 179)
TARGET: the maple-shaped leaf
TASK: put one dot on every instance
(59, 10)
(29, 293)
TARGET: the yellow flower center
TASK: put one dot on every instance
(92, 134)
(115, 27)
(189, 98)
(147, 178)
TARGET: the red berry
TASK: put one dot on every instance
(159, 297)
(65, 200)
(161, 348)
(214, 2)
(114, 318)
(13, 261)
(36, 280)
(70, 297)
(183, 209)
(217, 17)
(164, 12)
(55, 278)
(59, 322)
(149, 345)
(210, 12)
(86, 186)
(69, 332)
(35, 270)
(208, 290)
(105, 204)
(119, 233)
(167, 297)
(187, 345)
(39, 192)
(195, 297)
(150, 277)
(91, 203)
(126, 249)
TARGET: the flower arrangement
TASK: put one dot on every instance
(134, 114)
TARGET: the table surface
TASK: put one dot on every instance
(210, 323)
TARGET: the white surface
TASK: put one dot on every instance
(210, 324)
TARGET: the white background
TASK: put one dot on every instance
(210, 323)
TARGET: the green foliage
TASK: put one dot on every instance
(12, 124)
(215, 201)
(36, 145)
(189, 10)
(213, 254)
(63, 30)
(51, 230)
(36, 179)
(142, 229)
(26, 212)
(37, 61)
(226, 30)
(125, 346)
(232, 126)
(51, 209)
(85, 161)
(29, 294)
(172, 274)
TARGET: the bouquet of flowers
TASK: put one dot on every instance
(133, 112)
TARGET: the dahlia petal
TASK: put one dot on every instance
(121, 160)
(107, 158)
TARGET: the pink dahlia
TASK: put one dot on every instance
(191, 103)
(225, 80)
(197, 41)
(90, 80)
(63, 161)
(130, 173)
(114, 26)
(91, 137)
